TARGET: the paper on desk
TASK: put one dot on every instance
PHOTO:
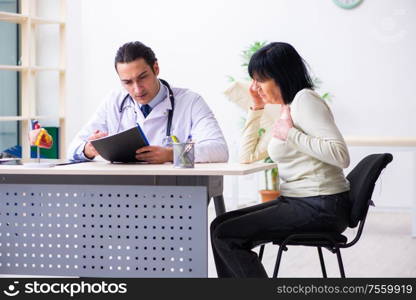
(10, 161)
(39, 165)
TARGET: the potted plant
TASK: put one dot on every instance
(241, 98)
(272, 190)
(271, 179)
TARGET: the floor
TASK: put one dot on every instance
(386, 249)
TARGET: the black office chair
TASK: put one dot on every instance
(362, 179)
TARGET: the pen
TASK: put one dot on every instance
(174, 138)
(189, 146)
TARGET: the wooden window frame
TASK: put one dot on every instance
(29, 21)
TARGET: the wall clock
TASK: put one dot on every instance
(347, 4)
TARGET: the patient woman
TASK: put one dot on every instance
(310, 153)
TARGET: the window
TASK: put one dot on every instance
(9, 79)
(31, 87)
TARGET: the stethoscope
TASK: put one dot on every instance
(123, 107)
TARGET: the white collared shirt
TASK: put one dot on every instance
(191, 117)
(160, 96)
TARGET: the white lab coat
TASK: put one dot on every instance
(191, 117)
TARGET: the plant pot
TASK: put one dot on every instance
(267, 195)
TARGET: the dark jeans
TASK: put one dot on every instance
(235, 233)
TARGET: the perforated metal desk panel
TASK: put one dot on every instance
(134, 221)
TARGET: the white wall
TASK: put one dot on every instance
(75, 69)
(47, 55)
(365, 58)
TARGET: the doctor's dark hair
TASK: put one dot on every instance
(135, 50)
(282, 63)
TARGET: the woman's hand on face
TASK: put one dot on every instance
(258, 103)
(282, 126)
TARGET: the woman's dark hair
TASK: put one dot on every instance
(134, 50)
(282, 63)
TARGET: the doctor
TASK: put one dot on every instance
(160, 111)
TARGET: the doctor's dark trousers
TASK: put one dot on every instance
(235, 233)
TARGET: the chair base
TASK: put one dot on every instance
(283, 247)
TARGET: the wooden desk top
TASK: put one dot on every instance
(106, 168)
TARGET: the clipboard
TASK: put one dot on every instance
(121, 147)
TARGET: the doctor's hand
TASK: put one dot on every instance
(89, 150)
(258, 103)
(282, 126)
(155, 154)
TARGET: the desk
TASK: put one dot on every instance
(109, 220)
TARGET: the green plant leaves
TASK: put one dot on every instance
(248, 52)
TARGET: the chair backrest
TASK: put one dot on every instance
(362, 180)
